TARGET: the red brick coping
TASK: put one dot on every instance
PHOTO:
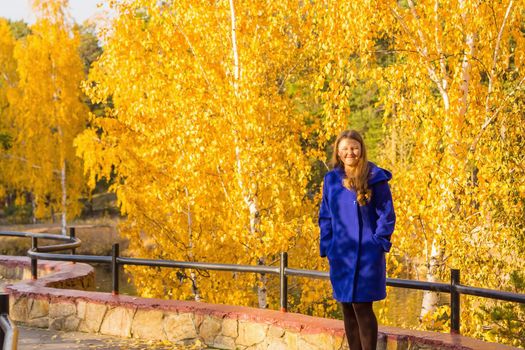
(47, 289)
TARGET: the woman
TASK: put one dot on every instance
(356, 220)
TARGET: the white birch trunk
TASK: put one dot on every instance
(33, 208)
(431, 299)
(249, 198)
(64, 198)
(193, 276)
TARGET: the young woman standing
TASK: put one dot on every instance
(356, 221)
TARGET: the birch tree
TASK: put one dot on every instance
(450, 81)
(207, 140)
(48, 112)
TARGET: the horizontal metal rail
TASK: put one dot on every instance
(50, 236)
(68, 257)
(306, 273)
(454, 288)
(491, 293)
(199, 265)
(419, 285)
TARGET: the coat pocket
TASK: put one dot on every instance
(383, 243)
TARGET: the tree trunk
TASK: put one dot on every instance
(249, 199)
(431, 299)
(64, 198)
(33, 208)
(193, 276)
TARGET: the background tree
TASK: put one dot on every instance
(19, 29)
(89, 47)
(206, 139)
(8, 81)
(218, 111)
(450, 80)
(48, 112)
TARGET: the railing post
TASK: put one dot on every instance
(4, 309)
(284, 281)
(454, 301)
(34, 260)
(72, 235)
(114, 268)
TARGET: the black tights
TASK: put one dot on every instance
(360, 326)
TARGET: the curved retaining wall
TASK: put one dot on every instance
(42, 303)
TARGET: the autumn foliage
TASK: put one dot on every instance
(43, 113)
(217, 124)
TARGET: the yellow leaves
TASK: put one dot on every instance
(45, 110)
(200, 169)
(216, 168)
(438, 320)
(442, 189)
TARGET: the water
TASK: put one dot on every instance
(104, 281)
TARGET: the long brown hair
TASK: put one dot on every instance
(359, 182)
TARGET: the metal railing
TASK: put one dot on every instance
(8, 330)
(454, 288)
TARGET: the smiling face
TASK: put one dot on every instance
(349, 152)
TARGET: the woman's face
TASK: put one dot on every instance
(349, 151)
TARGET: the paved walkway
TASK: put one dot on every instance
(43, 339)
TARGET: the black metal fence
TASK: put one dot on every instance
(454, 288)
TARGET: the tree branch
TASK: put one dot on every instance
(490, 120)
(495, 57)
(423, 51)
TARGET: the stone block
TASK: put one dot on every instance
(301, 344)
(91, 316)
(71, 323)
(179, 327)
(291, 340)
(22, 274)
(197, 320)
(147, 324)
(223, 342)
(42, 322)
(117, 321)
(317, 341)
(277, 344)
(62, 310)
(88, 283)
(275, 332)
(259, 346)
(209, 329)
(381, 342)
(396, 343)
(19, 309)
(39, 308)
(339, 342)
(416, 346)
(229, 328)
(81, 309)
(251, 333)
(56, 324)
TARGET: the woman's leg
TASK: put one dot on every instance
(367, 325)
(351, 327)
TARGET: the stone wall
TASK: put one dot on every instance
(41, 303)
